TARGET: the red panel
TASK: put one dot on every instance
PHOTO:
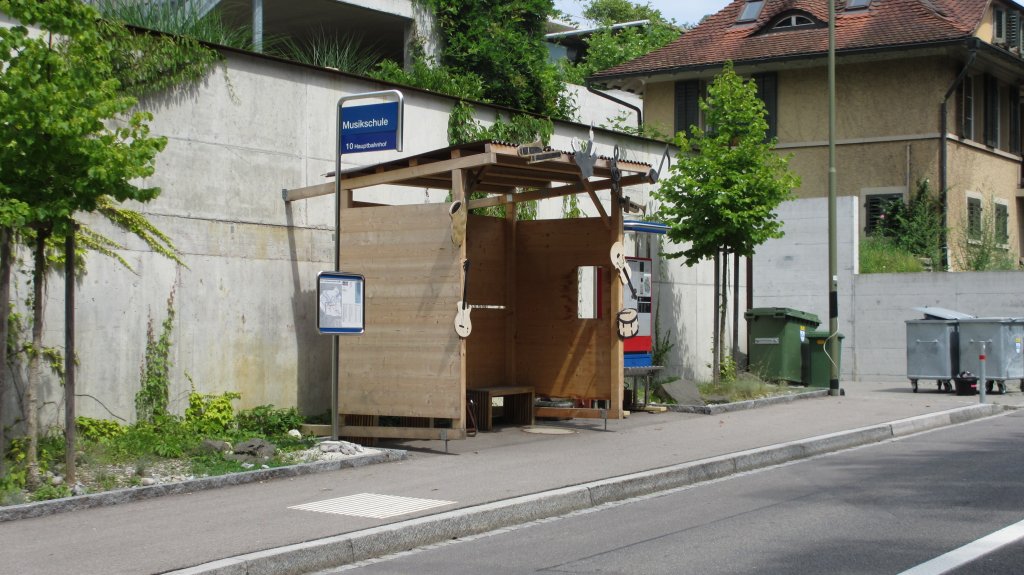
(641, 343)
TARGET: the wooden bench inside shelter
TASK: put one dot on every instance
(517, 405)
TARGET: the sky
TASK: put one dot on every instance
(682, 11)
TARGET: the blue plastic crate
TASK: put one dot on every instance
(637, 360)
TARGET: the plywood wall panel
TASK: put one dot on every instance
(407, 361)
(485, 352)
(557, 353)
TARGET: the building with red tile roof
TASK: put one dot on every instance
(926, 90)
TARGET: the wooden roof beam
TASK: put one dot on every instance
(546, 193)
(399, 176)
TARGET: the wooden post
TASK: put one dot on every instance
(459, 195)
(616, 359)
(511, 223)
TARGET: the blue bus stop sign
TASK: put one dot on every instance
(370, 128)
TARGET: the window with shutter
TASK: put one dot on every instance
(878, 211)
(967, 108)
(998, 25)
(767, 91)
(687, 107)
(1014, 120)
(1013, 29)
(973, 218)
(1002, 231)
(991, 111)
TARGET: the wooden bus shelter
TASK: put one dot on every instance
(409, 374)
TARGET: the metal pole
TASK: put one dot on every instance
(833, 277)
(335, 342)
(257, 25)
(982, 380)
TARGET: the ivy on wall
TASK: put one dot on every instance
(502, 41)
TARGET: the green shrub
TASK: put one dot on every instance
(167, 436)
(47, 491)
(211, 413)
(98, 429)
(269, 421)
(882, 255)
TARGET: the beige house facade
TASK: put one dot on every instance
(925, 90)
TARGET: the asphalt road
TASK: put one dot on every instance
(884, 508)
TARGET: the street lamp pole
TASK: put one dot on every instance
(833, 278)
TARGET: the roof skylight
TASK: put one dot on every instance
(855, 4)
(751, 11)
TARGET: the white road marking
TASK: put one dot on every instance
(372, 505)
(970, 552)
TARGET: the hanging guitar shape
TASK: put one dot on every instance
(628, 326)
(463, 326)
(618, 255)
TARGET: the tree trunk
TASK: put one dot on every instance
(716, 336)
(5, 312)
(69, 355)
(736, 310)
(750, 299)
(723, 310)
(34, 363)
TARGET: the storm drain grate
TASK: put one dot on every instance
(372, 505)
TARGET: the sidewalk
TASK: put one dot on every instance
(495, 478)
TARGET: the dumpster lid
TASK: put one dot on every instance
(942, 313)
(991, 320)
(780, 312)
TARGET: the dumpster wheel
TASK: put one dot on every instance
(913, 383)
(991, 385)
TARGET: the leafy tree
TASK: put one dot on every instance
(68, 139)
(607, 48)
(727, 181)
(502, 41)
(607, 12)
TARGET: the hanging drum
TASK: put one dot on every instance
(629, 323)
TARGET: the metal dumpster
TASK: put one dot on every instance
(1004, 358)
(932, 346)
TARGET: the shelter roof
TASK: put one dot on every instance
(495, 168)
(499, 169)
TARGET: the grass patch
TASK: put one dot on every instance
(113, 456)
(882, 255)
(744, 387)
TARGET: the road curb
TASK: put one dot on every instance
(719, 408)
(396, 537)
(118, 496)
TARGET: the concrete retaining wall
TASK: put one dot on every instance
(245, 305)
(793, 272)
